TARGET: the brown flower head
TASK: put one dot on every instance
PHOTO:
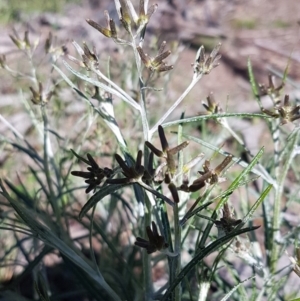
(208, 176)
(132, 173)
(204, 64)
(226, 223)
(271, 88)
(109, 31)
(129, 17)
(286, 112)
(156, 242)
(95, 175)
(89, 58)
(156, 63)
(166, 152)
(40, 97)
(22, 44)
(211, 107)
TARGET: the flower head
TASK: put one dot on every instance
(109, 31)
(211, 107)
(156, 63)
(166, 152)
(132, 173)
(204, 64)
(271, 90)
(226, 223)
(155, 243)
(129, 17)
(286, 112)
(208, 176)
(95, 175)
(40, 97)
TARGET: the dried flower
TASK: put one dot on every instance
(109, 31)
(156, 63)
(129, 17)
(286, 112)
(271, 89)
(89, 58)
(211, 107)
(95, 175)
(55, 51)
(226, 223)
(208, 176)
(132, 173)
(156, 242)
(22, 44)
(40, 97)
(204, 64)
(166, 152)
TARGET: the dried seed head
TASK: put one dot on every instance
(104, 31)
(89, 58)
(163, 68)
(125, 16)
(286, 112)
(271, 90)
(227, 223)
(203, 64)
(158, 60)
(156, 242)
(211, 107)
(156, 63)
(144, 57)
(95, 175)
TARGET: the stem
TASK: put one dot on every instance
(143, 110)
(118, 89)
(292, 145)
(148, 287)
(175, 105)
(176, 262)
(47, 154)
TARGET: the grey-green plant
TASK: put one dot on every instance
(175, 216)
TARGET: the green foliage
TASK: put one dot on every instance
(150, 206)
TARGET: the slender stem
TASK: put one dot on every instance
(148, 287)
(175, 105)
(47, 154)
(143, 111)
(292, 144)
(118, 89)
(11, 127)
(176, 266)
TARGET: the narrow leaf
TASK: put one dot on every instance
(201, 255)
(253, 83)
(98, 196)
